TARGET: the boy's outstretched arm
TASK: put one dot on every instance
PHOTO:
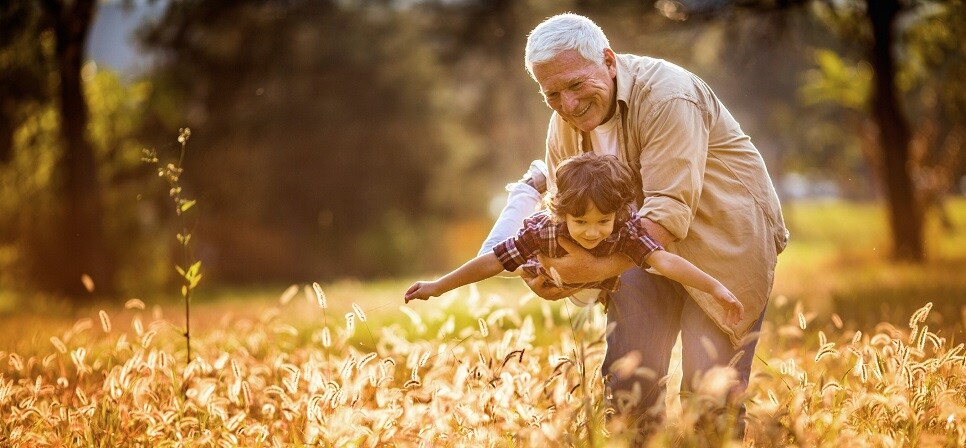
(477, 269)
(682, 271)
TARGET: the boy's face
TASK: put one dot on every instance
(591, 228)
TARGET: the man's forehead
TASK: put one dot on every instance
(563, 78)
(564, 66)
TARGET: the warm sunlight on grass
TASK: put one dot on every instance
(494, 366)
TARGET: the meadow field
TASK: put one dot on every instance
(855, 351)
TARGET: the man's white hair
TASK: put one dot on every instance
(564, 32)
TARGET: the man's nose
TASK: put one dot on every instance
(569, 102)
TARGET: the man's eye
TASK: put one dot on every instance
(580, 221)
(576, 85)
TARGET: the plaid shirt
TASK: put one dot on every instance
(539, 236)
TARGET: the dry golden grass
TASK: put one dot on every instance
(462, 371)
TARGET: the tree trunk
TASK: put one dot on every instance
(81, 233)
(6, 140)
(905, 215)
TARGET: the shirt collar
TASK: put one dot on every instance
(624, 80)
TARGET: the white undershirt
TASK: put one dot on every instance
(604, 137)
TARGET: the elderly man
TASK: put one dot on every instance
(705, 194)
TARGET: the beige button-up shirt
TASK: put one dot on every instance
(701, 178)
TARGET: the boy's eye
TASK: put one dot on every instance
(580, 221)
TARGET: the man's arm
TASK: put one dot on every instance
(545, 288)
(673, 163)
(658, 233)
(522, 201)
(579, 266)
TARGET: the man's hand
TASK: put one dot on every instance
(579, 266)
(546, 289)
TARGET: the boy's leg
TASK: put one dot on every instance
(705, 346)
(645, 314)
(523, 199)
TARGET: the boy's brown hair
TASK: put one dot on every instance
(601, 179)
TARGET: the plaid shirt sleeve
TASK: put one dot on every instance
(636, 243)
(515, 251)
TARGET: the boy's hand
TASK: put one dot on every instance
(421, 291)
(734, 310)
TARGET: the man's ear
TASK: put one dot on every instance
(610, 60)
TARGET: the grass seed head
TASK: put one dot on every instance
(350, 324)
(288, 294)
(105, 321)
(58, 344)
(484, 328)
(319, 295)
(359, 313)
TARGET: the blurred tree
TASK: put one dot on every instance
(84, 250)
(317, 134)
(44, 44)
(885, 44)
(23, 69)
(913, 68)
(30, 200)
(480, 46)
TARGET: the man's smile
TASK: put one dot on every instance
(581, 113)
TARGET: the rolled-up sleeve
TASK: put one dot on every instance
(636, 243)
(673, 162)
(510, 255)
(515, 251)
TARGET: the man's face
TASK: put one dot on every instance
(592, 227)
(581, 91)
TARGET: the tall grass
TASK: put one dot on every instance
(488, 382)
(488, 366)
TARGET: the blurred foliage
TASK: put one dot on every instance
(367, 137)
(28, 204)
(22, 72)
(319, 132)
(931, 78)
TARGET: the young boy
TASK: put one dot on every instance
(591, 207)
